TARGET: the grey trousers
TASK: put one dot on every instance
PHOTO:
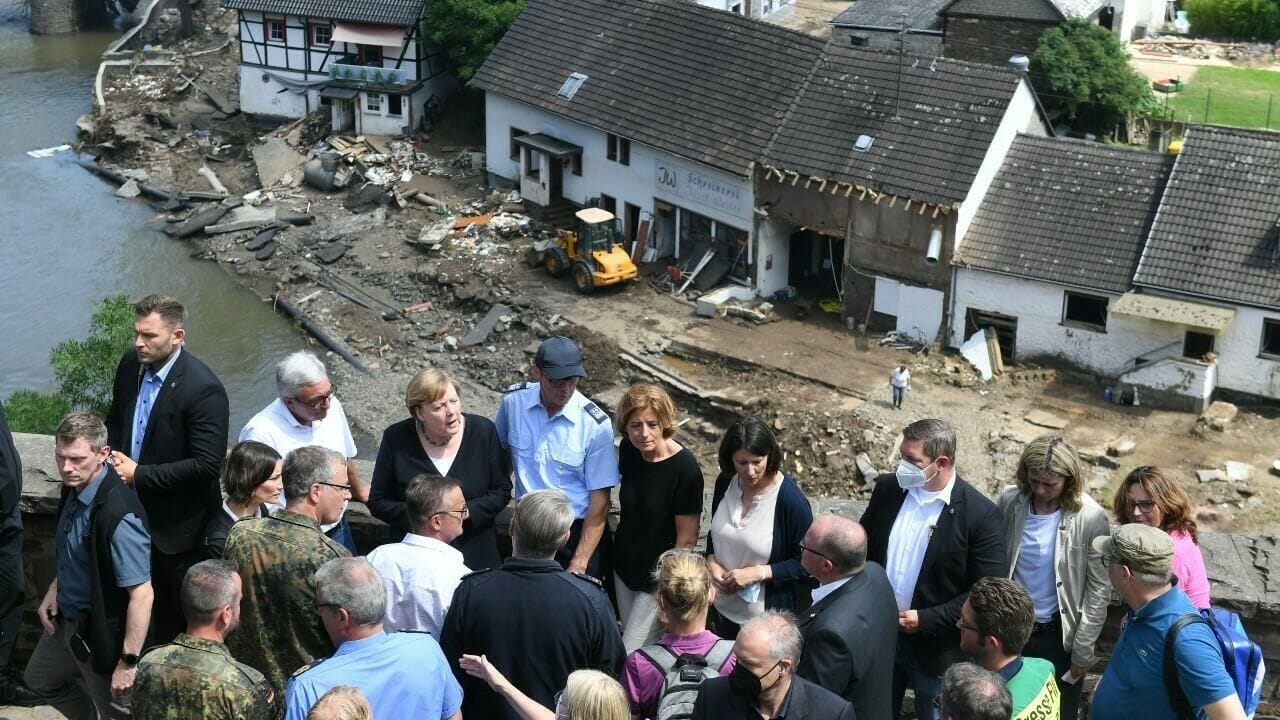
(73, 688)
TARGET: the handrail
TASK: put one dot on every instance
(1145, 357)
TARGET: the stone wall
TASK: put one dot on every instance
(989, 40)
(1240, 567)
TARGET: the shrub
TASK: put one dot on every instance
(33, 412)
(1237, 19)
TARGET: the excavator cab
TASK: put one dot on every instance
(593, 251)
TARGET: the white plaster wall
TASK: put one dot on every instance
(1184, 377)
(1240, 367)
(773, 263)
(1038, 308)
(635, 183)
(1021, 116)
(265, 98)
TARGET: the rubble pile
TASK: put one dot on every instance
(1196, 49)
(822, 450)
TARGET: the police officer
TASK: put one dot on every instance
(403, 675)
(559, 439)
(533, 621)
(195, 677)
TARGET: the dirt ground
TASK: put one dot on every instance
(823, 388)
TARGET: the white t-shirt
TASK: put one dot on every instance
(1035, 569)
(743, 537)
(274, 425)
(900, 378)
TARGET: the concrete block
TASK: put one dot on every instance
(1238, 471)
(1219, 414)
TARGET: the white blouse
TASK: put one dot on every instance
(743, 537)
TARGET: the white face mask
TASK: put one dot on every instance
(910, 476)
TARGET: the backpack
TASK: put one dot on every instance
(1241, 657)
(682, 676)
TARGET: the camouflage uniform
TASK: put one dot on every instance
(198, 679)
(279, 629)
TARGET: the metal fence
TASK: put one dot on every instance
(1221, 108)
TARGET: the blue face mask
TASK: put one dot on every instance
(909, 476)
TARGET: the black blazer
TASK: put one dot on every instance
(177, 475)
(10, 469)
(808, 702)
(966, 544)
(849, 641)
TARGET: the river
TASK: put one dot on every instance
(69, 242)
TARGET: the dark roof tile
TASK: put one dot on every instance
(378, 12)
(920, 14)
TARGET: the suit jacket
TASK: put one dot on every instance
(177, 475)
(849, 641)
(966, 544)
(10, 469)
(808, 702)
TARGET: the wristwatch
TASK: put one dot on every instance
(129, 659)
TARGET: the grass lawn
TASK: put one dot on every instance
(1236, 96)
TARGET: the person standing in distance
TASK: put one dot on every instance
(168, 424)
(900, 382)
(559, 439)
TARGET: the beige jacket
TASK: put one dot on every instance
(1083, 586)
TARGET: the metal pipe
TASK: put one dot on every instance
(278, 301)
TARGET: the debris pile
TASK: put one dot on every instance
(822, 450)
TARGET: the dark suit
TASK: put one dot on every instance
(11, 589)
(849, 641)
(177, 475)
(807, 702)
(966, 544)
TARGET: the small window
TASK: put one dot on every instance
(515, 146)
(571, 85)
(1088, 311)
(373, 102)
(608, 202)
(1196, 345)
(369, 55)
(624, 151)
(576, 166)
(321, 34)
(394, 105)
(533, 164)
(274, 29)
(1271, 337)
(611, 150)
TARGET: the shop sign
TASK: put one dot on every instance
(683, 181)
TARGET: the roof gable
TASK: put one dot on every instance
(1217, 234)
(1067, 211)
(380, 12)
(704, 84)
(889, 14)
(948, 113)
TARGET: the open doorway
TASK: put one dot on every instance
(815, 265)
(1006, 328)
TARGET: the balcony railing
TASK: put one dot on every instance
(369, 75)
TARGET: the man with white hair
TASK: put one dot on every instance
(764, 683)
(306, 412)
(403, 675)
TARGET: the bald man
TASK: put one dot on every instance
(851, 629)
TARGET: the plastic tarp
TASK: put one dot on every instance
(975, 351)
(360, 34)
(919, 313)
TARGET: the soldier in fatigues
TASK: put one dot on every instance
(194, 677)
(279, 630)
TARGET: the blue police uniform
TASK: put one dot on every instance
(404, 675)
(571, 451)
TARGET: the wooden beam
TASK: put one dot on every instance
(923, 207)
(936, 208)
(907, 207)
(893, 201)
(863, 196)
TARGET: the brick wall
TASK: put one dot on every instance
(991, 41)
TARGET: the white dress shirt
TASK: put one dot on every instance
(822, 591)
(909, 539)
(420, 574)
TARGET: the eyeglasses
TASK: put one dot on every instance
(965, 626)
(1143, 506)
(569, 381)
(338, 486)
(462, 514)
(316, 402)
(804, 548)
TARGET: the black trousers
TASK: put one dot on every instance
(11, 583)
(167, 573)
(1046, 644)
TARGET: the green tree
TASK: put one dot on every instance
(1242, 19)
(1083, 69)
(84, 370)
(469, 29)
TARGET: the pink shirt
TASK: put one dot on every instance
(642, 679)
(1188, 565)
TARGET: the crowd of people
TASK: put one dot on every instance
(193, 582)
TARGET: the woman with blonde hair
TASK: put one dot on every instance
(661, 503)
(438, 438)
(587, 694)
(1151, 497)
(684, 597)
(1050, 524)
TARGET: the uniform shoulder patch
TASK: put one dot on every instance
(517, 386)
(308, 666)
(595, 412)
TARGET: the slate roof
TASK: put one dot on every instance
(1217, 232)
(1067, 211)
(704, 84)
(1034, 10)
(949, 113)
(377, 12)
(921, 14)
